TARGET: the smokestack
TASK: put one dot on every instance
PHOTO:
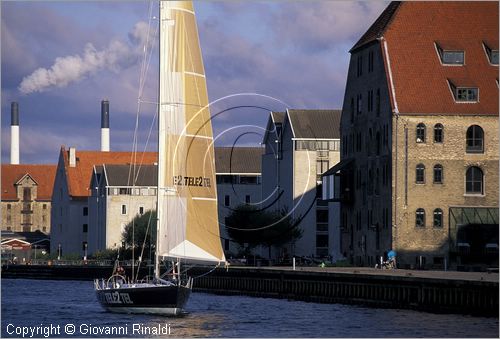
(14, 133)
(104, 126)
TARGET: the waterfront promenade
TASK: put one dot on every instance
(435, 291)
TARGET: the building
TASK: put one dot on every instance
(22, 247)
(238, 171)
(116, 200)
(419, 169)
(71, 191)
(300, 145)
(26, 197)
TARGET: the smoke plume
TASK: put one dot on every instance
(116, 56)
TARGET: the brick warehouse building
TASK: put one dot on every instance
(419, 129)
(26, 197)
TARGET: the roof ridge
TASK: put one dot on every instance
(379, 26)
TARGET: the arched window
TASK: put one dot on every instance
(420, 217)
(420, 133)
(438, 133)
(438, 174)
(474, 181)
(438, 218)
(475, 139)
(420, 174)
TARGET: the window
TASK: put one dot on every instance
(377, 102)
(27, 194)
(322, 216)
(9, 206)
(360, 103)
(438, 174)
(247, 199)
(44, 206)
(352, 110)
(85, 228)
(492, 54)
(141, 210)
(475, 139)
(321, 240)
(420, 133)
(85, 211)
(449, 57)
(370, 61)
(226, 200)
(124, 209)
(420, 174)
(474, 181)
(322, 166)
(420, 218)
(467, 94)
(360, 66)
(438, 133)
(453, 57)
(370, 101)
(44, 229)
(438, 218)
(226, 244)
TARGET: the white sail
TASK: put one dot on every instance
(187, 195)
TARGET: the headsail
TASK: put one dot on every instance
(187, 200)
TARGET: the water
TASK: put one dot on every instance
(44, 302)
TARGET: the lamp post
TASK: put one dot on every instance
(85, 255)
(59, 252)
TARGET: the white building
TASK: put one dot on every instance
(116, 199)
(70, 209)
(238, 171)
(300, 145)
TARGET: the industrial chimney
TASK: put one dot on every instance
(104, 126)
(14, 133)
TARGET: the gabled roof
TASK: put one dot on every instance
(43, 175)
(421, 83)
(238, 160)
(378, 28)
(80, 175)
(278, 117)
(315, 124)
(123, 175)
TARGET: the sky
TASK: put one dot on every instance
(59, 59)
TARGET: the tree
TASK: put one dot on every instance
(252, 226)
(142, 234)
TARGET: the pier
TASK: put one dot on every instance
(474, 293)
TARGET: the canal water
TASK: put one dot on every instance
(71, 305)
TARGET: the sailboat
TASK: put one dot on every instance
(187, 220)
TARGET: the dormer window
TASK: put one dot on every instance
(491, 53)
(451, 57)
(464, 94)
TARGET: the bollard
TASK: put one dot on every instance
(293, 261)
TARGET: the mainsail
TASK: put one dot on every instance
(187, 195)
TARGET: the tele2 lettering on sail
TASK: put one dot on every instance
(180, 180)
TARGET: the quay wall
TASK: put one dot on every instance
(378, 289)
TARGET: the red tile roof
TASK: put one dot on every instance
(377, 29)
(44, 176)
(79, 176)
(411, 30)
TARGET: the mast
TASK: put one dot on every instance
(157, 257)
